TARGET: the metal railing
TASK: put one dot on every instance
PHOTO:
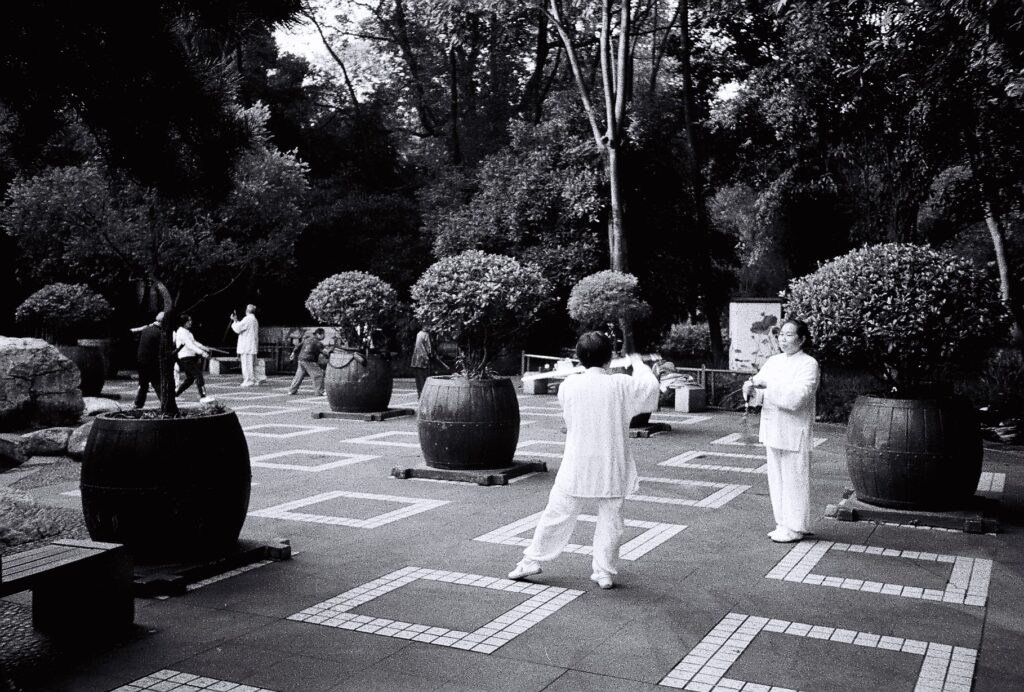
(723, 388)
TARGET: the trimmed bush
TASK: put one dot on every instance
(354, 302)
(903, 312)
(480, 301)
(62, 311)
(607, 297)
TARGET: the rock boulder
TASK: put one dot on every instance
(48, 442)
(12, 453)
(78, 440)
(38, 385)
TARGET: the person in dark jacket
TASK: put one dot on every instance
(148, 358)
(308, 353)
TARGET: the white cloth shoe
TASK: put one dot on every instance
(783, 535)
(524, 569)
(604, 581)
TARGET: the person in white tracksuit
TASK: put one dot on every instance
(248, 330)
(785, 387)
(597, 465)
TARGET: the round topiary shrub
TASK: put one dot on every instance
(903, 312)
(606, 297)
(481, 302)
(355, 302)
(63, 311)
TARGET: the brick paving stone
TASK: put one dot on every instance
(888, 616)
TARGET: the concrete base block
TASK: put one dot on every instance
(649, 429)
(367, 416)
(979, 517)
(478, 476)
(690, 399)
(173, 579)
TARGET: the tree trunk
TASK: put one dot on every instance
(1006, 289)
(698, 188)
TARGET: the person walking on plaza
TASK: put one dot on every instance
(248, 330)
(148, 358)
(422, 355)
(597, 465)
(190, 358)
(785, 388)
(308, 353)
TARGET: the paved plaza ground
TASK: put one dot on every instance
(399, 584)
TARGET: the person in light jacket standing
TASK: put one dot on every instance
(596, 465)
(785, 387)
(190, 357)
(248, 330)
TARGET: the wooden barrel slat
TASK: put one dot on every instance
(171, 490)
(468, 424)
(914, 454)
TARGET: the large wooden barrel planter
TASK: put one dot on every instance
(468, 424)
(358, 382)
(106, 347)
(172, 490)
(918, 454)
(90, 363)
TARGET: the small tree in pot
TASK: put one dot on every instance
(63, 312)
(481, 302)
(360, 306)
(607, 300)
(906, 313)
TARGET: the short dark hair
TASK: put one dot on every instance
(185, 317)
(594, 349)
(319, 331)
(803, 331)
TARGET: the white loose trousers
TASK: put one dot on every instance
(558, 521)
(248, 362)
(789, 486)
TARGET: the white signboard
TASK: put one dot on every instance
(753, 327)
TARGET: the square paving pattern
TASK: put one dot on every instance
(737, 439)
(688, 460)
(416, 505)
(295, 430)
(340, 459)
(967, 585)
(721, 495)
(656, 533)
(543, 602)
(174, 681)
(945, 668)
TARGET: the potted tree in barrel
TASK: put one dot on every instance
(470, 420)
(172, 484)
(609, 301)
(63, 312)
(359, 306)
(906, 313)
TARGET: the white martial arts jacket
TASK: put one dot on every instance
(791, 382)
(248, 330)
(597, 407)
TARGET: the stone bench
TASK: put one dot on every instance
(224, 365)
(690, 399)
(78, 587)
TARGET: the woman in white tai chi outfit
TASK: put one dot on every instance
(596, 465)
(785, 387)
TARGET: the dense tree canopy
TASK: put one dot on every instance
(720, 148)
